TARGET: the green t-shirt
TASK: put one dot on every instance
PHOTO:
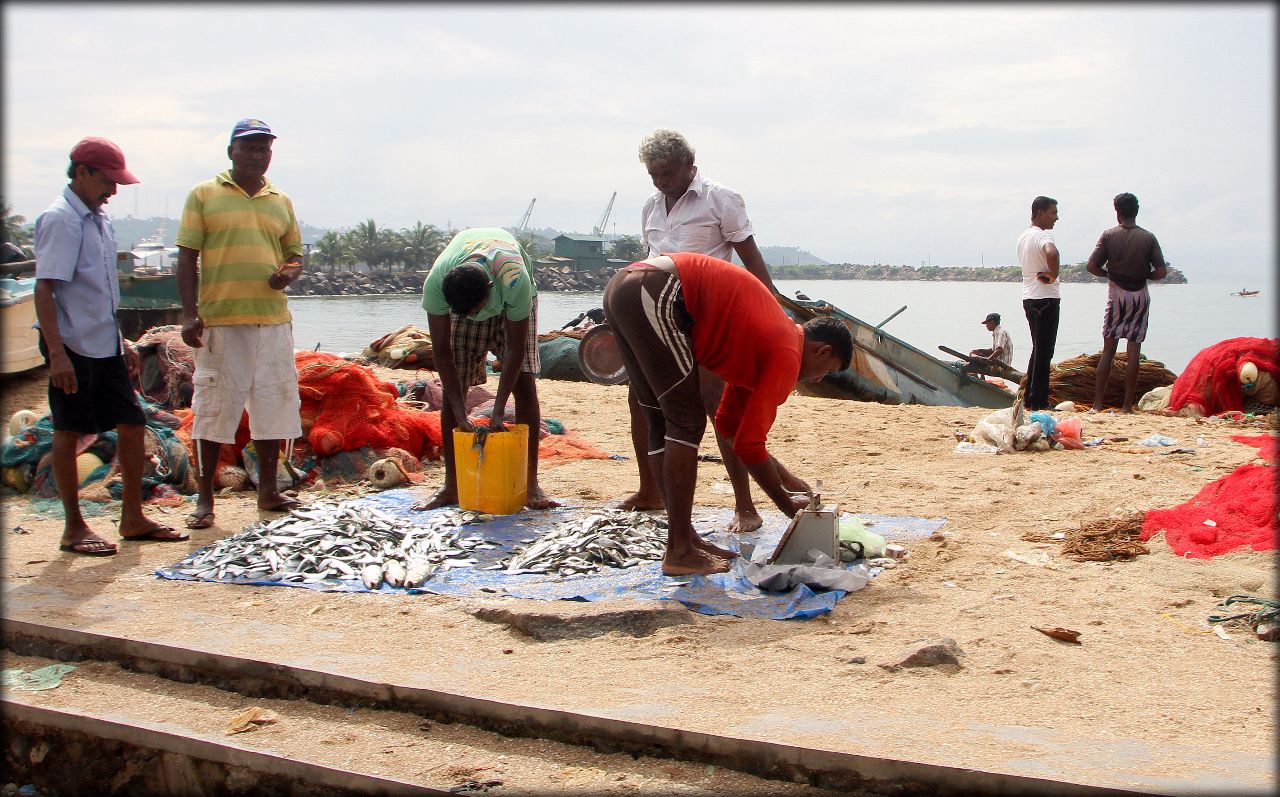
(505, 260)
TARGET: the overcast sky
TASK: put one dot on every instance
(863, 133)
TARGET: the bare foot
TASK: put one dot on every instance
(539, 500)
(715, 550)
(444, 497)
(745, 522)
(697, 562)
(641, 502)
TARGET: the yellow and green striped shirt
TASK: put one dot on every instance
(242, 240)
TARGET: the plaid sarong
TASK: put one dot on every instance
(473, 340)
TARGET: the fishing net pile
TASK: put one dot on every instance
(1211, 381)
(168, 364)
(558, 351)
(345, 406)
(556, 444)
(1101, 540)
(1076, 378)
(27, 460)
(1234, 511)
(407, 347)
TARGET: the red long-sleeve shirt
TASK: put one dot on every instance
(741, 334)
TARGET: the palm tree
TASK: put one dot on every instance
(16, 230)
(422, 243)
(328, 250)
(365, 242)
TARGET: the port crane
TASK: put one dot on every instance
(598, 230)
(524, 220)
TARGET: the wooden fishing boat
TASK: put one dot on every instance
(21, 347)
(1244, 292)
(892, 371)
(148, 296)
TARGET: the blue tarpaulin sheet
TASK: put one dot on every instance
(720, 593)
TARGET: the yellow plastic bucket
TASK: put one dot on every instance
(493, 479)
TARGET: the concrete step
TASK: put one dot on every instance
(109, 730)
(312, 687)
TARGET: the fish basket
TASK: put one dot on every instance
(493, 477)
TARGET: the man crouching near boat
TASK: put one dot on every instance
(673, 313)
(480, 298)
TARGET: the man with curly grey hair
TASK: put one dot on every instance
(691, 213)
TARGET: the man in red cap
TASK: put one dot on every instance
(90, 364)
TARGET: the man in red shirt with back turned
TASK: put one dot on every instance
(673, 313)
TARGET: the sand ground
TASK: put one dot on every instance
(1149, 670)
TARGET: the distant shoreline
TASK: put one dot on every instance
(852, 271)
(363, 283)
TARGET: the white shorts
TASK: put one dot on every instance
(246, 365)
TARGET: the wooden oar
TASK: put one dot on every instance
(996, 367)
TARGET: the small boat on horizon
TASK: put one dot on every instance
(1244, 292)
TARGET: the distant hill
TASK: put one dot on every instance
(131, 231)
(789, 256)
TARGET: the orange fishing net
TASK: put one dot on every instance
(1212, 378)
(1237, 510)
(553, 448)
(345, 406)
(556, 449)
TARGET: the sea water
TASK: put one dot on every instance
(1184, 318)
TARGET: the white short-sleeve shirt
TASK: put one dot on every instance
(1033, 260)
(708, 219)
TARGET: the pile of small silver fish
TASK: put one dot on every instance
(342, 541)
(606, 539)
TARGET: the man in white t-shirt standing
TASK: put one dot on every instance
(690, 213)
(1041, 299)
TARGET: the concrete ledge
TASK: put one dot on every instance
(825, 768)
(184, 766)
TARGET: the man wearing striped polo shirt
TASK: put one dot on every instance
(239, 247)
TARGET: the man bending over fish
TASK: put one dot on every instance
(673, 313)
(480, 298)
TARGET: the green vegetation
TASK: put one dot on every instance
(380, 248)
(628, 247)
(852, 271)
(16, 229)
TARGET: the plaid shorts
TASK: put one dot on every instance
(472, 340)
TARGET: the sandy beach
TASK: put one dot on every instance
(1148, 668)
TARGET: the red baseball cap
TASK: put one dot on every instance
(104, 156)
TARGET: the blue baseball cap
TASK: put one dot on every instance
(251, 127)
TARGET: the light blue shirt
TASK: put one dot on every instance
(77, 247)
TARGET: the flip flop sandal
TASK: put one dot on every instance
(159, 534)
(89, 547)
(199, 520)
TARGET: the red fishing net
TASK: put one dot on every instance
(1237, 510)
(348, 407)
(1212, 378)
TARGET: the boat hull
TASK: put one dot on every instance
(147, 301)
(21, 349)
(891, 371)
